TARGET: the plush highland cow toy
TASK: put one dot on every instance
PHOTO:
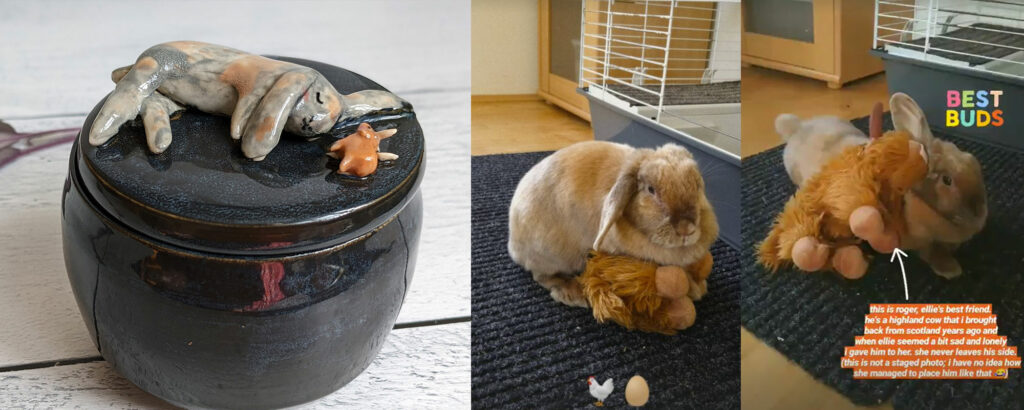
(641, 295)
(856, 196)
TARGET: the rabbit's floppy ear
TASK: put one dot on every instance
(908, 116)
(617, 199)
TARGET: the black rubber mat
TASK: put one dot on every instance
(809, 318)
(684, 94)
(976, 44)
(530, 352)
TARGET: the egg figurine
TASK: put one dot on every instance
(637, 391)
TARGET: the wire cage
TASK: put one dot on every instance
(674, 62)
(938, 51)
(980, 35)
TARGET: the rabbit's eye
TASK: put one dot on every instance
(947, 180)
(650, 189)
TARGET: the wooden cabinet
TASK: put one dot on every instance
(559, 35)
(827, 40)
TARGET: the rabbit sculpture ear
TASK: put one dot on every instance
(908, 116)
(619, 196)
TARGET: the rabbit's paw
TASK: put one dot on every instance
(942, 262)
(698, 288)
(571, 293)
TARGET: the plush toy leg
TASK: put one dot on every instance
(671, 282)
(866, 223)
(810, 255)
(681, 312)
(849, 261)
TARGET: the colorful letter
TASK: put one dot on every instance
(952, 119)
(952, 99)
(987, 118)
(968, 101)
(964, 116)
(982, 97)
(995, 98)
(997, 118)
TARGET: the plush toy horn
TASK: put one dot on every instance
(875, 123)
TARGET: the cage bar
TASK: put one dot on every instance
(670, 61)
(979, 35)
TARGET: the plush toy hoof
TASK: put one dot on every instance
(671, 282)
(809, 255)
(866, 223)
(682, 313)
(849, 261)
(886, 242)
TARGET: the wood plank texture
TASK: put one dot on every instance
(406, 374)
(768, 93)
(65, 50)
(524, 126)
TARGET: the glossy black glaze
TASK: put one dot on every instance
(203, 193)
(240, 328)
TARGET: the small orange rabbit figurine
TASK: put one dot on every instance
(360, 152)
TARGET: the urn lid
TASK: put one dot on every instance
(203, 194)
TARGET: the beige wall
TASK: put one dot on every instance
(504, 47)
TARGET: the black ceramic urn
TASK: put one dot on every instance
(211, 280)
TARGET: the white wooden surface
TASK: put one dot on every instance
(55, 60)
(432, 376)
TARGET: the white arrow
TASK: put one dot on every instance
(899, 255)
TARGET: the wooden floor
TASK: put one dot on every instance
(768, 93)
(503, 127)
(769, 380)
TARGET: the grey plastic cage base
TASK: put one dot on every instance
(982, 44)
(683, 94)
(722, 186)
(927, 83)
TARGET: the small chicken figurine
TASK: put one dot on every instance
(360, 151)
(641, 295)
(600, 391)
(856, 196)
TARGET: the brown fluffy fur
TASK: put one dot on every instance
(622, 289)
(876, 174)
